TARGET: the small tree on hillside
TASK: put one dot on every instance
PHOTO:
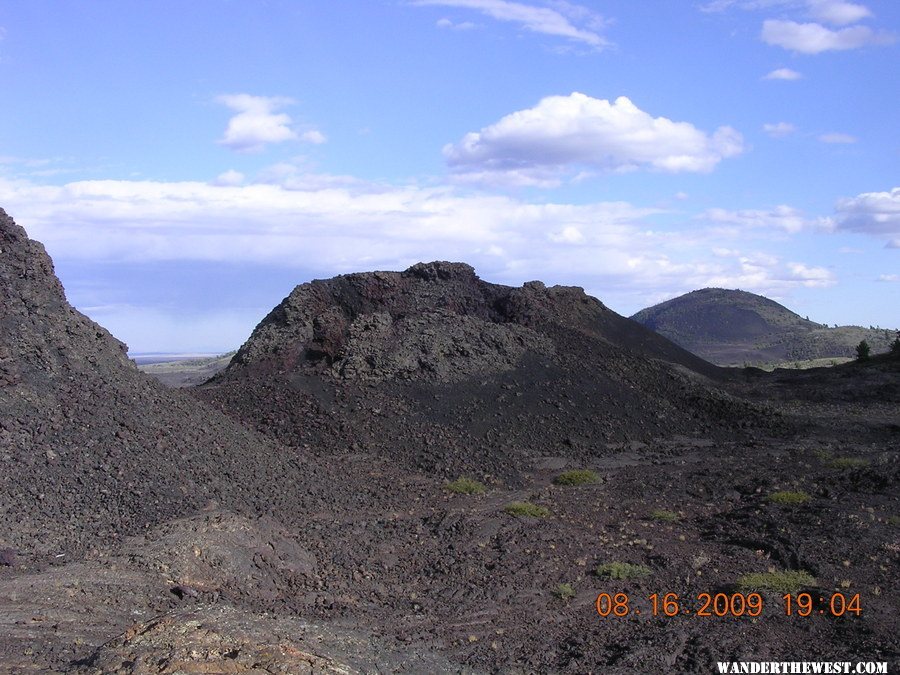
(895, 345)
(862, 351)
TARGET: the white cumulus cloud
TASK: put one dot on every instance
(564, 20)
(875, 213)
(814, 38)
(258, 124)
(564, 132)
(811, 277)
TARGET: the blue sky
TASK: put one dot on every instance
(187, 164)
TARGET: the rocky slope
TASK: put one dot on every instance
(92, 449)
(735, 328)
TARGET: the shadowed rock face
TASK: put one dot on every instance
(42, 336)
(90, 448)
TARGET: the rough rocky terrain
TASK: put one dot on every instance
(737, 328)
(292, 515)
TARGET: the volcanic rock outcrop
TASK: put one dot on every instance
(462, 374)
(436, 321)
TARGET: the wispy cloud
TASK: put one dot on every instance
(779, 129)
(783, 74)
(838, 12)
(837, 138)
(814, 38)
(781, 217)
(461, 25)
(811, 37)
(767, 274)
(229, 178)
(257, 124)
(562, 133)
(558, 20)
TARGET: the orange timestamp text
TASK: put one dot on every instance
(727, 605)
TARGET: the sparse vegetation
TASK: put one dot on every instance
(894, 520)
(466, 486)
(848, 462)
(823, 455)
(788, 581)
(622, 570)
(862, 351)
(577, 477)
(789, 498)
(830, 460)
(664, 515)
(564, 591)
(526, 509)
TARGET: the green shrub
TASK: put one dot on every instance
(577, 477)
(789, 498)
(526, 509)
(789, 581)
(664, 516)
(466, 486)
(862, 351)
(893, 520)
(622, 570)
(564, 591)
(829, 459)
